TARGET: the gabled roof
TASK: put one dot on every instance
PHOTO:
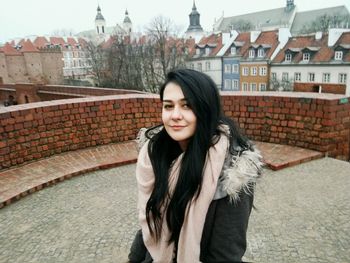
(28, 46)
(268, 40)
(323, 53)
(213, 41)
(9, 50)
(41, 42)
(263, 19)
(303, 19)
(57, 41)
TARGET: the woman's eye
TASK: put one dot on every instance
(186, 106)
(167, 106)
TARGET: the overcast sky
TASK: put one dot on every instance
(22, 18)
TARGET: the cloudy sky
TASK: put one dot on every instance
(22, 18)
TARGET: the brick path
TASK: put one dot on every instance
(302, 215)
(20, 181)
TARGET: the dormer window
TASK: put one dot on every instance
(198, 51)
(233, 50)
(207, 51)
(251, 53)
(338, 55)
(306, 57)
(288, 57)
(261, 52)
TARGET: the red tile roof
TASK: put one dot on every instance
(9, 50)
(57, 41)
(214, 41)
(321, 53)
(268, 38)
(41, 42)
(27, 46)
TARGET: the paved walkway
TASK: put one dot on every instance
(23, 180)
(302, 215)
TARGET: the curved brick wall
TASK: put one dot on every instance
(37, 130)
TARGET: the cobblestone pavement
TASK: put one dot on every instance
(302, 215)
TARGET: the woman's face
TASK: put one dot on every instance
(177, 116)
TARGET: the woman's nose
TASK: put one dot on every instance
(176, 114)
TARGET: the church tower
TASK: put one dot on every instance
(100, 22)
(195, 29)
(127, 25)
(290, 5)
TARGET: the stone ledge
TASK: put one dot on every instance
(21, 181)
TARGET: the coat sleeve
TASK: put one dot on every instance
(224, 233)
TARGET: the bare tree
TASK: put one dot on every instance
(324, 22)
(97, 61)
(242, 25)
(163, 52)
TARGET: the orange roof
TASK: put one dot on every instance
(297, 44)
(9, 50)
(41, 42)
(27, 46)
(266, 38)
(214, 41)
(71, 41)
(57, 41)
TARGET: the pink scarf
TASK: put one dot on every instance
(192, 228)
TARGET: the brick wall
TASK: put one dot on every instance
(33, 131)
(314, 87)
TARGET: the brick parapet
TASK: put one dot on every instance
(33, 131)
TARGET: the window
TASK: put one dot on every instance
(273, 76)
(285, 76)
(227, 84)
(199, 66)
(235, 84)
(235, 68)
(326, 77)
(262, 71)
(338, 55)
(306, 56)
(191, 66)
(245, 71)
(288, 57)
(262, 86)
(253, 86)
(207, 66)
(297, 76)
(245, 86)
(253, 71)
(207, 51)
(251, 53)
(261, 52)
(227, 68)
(233, 50)
(198, 51)
(342, 78)
(311, 77)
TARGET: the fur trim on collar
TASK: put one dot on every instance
(239, 173)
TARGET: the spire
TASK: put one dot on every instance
(127, 18)
(194, 19)
(99, 15)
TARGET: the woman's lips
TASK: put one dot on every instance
(177, 127)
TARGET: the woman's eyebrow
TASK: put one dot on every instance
(184, 99)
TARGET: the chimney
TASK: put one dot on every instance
(334, 34)
(318, 35)
(254, 36)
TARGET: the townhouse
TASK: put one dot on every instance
(205, 59)
(317, 62)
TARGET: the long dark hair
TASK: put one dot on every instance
(203, 97)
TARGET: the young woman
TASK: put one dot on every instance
(195, 173)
